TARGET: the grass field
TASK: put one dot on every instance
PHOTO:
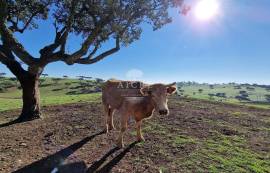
(55, 91)
(255, 95)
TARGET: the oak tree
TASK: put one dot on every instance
(95, 21)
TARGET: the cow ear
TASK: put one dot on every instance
(171, 88)
(145, 91)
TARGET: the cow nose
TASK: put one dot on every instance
(163, 112)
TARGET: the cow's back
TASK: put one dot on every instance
(115, 91)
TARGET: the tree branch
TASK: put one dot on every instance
(15, 27)
(3, 57)
(60, 40)
(83, 50)
(3, 11)
(37, 9)
(7, 58)
(15, 46)
(87, 43)
(47, 54)
(89, 60)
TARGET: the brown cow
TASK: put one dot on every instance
(136, 99)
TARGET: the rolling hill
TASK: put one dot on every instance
(55, 91)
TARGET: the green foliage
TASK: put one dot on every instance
(2, 89)
(267, 97)
(26, 12)
(121, 18)
(56, 80)
(7, 84)
(103, 18)
(223, 95)
(41, 80)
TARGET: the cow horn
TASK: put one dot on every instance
(171, 84)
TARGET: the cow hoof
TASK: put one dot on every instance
(112, 128)
(141, 139)
(120, 145)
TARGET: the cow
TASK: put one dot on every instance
(134, 98)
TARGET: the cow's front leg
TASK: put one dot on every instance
(140, 138)
(110, 120)
(120, 143)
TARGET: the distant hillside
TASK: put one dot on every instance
(232, 92)
(53, 91)
(56, 91)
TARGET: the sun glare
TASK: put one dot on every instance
(206, 9)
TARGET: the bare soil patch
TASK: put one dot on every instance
(69, 139)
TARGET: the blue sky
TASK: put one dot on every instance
(232, 47)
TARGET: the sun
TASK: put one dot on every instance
(206, 9)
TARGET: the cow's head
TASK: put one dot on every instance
(158, 94)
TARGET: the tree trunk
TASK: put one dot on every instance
(31, 98)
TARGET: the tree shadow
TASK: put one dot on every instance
(16, 121)
(55, 160)
(58, 89)
(108, 166)
(10, 123)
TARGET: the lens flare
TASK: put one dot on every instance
(206, 9)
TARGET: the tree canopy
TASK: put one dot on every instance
(96, 21)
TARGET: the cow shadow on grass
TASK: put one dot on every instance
(54, 162)
(96, 166)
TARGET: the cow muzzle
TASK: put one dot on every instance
(163, 112)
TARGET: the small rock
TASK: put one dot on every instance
(23, 144)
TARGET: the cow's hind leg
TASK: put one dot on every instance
(140, 138)
(122, 132)
(108, 118)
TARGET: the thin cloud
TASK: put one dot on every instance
(134, 74)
